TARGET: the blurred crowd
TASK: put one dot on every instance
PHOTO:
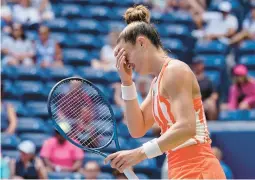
(56, 154)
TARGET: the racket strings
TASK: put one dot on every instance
(62, 94)
(74, 132)
(99, 130)
(85, 111)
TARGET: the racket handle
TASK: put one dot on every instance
(130, 174)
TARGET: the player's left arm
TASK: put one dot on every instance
(177, 83)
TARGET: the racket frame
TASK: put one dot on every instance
(94, 150)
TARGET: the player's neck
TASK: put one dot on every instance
(157, 61)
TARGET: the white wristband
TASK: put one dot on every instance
(128, 92)
(151, 149)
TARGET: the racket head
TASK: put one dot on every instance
(61, 101)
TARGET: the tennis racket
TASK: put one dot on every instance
(83, 116)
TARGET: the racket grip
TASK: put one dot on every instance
(130, 174)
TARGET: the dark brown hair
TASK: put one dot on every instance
(140, 15)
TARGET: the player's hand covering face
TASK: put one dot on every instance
(122, 65)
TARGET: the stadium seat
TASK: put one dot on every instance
(142, 176)
(9, 90)
(76, 57)
(19, 107)
(64, 175)
(27, 125)
(113, 25)
(87, 26)
(214, 76)
(156, 16)
(37, 138)
(58, 24)
(247, 47)
(30, 90)
(9, 141)
(107, 91)
(176, 31)
(181, 17)
(37, 109)
(252, 74)
(108, 3)
(8, 72)
(27, 73)
(112, 147)
(252, 115)
(86, 41)
(234, 115)
(213, 61)
(97, 12)
(118, 112)
(248, 60)
(125, 3)
(112, 77)
(58, 73)
(60, 37)
(118, 13)
(123, 130)
(134, 143)
(147, 166)
(93, 75)
(174, 45)
(70, 10)
(12, 154)
(213, 47)
(105, 176)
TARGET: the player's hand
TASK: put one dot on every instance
(124, 69)
(125, 159)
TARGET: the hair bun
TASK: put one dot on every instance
(137, 13)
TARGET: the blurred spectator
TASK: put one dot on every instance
(91, 170)
(6, 17)
(209, 95)
(24, 13)
(242, 92)
(8, 115)
(48, 52)
(248, 31)
(28, 166)
(60, 155)
(4, 168)
(228, 24)
(191, 6)
(17, 49)
(44, 8)
(107, 60)
(217, 152)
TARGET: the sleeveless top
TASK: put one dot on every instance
(4, 116)
(27, 173)
(165, 119)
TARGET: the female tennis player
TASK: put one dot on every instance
(174, 102)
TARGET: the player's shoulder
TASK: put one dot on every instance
(177, 68)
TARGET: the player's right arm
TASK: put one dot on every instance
(139, 119)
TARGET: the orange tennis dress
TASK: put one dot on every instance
(194, 158)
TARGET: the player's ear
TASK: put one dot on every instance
(141, 41)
